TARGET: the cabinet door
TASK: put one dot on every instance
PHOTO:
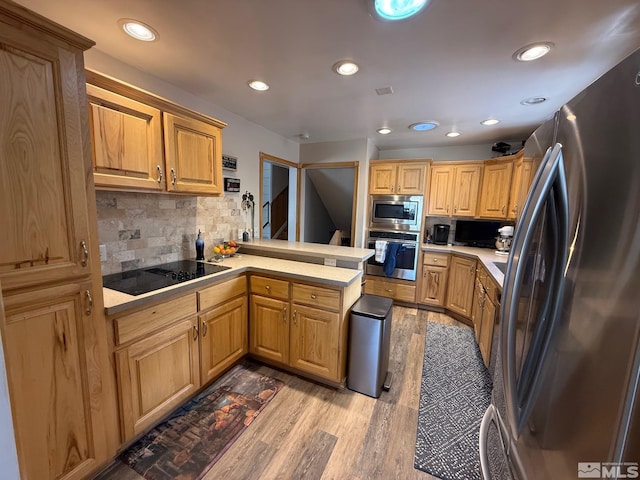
(486, 331)
(476, 308)
(193, 153)
(410, 179)
(156, 374)
(496, 184)
(519, 187)
(42, 162)
(127, 142)
(54, 382)
(223, 337)
(269, 328)
(460, 287)
(314, 341)
(465, 190)
(382, 178)
(440, 190)
(434, 285)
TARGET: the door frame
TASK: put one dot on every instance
(265, 157)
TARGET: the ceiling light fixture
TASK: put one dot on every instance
(490, 121)
(138, 30)
(345, 67)
(258, 85)
(533, 101)
(398, 9)
(532, 51)
(384, 131)
(423, 126)
(453, 134)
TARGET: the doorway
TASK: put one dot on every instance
(330, 191)
(278, 198)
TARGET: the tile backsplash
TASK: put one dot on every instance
(145, 229)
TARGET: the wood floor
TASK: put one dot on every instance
(309, 431)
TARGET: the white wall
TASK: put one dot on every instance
(241, 138)
(462, 152)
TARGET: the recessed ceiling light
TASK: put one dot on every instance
(532, 51)
(490, 121)
(258, 85)
(398, 9)
(345, 67)
(138, 30)
(533, 101)
(384, 131)
(423, 126)
(453, 134)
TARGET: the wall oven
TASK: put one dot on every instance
(396, 212)
(406, 259)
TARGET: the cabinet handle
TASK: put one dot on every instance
(268, 288)
(503, 208)
(89, 300)
(159, 173)
(392, 188)
(295, 321)
(173, 176)
(195, 333)
(85, 253)
(388, 290)
(447, 208)
(313, 296)
(284, 314)
(435, 260)
(398, 189)
(455, 209)
(204, 329)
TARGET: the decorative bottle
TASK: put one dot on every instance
(199, 247)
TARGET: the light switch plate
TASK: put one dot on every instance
(103, 253)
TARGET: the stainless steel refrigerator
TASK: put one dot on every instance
(566, 384)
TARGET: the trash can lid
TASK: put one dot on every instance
(372, 306)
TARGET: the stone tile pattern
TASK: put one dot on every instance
(145, 229)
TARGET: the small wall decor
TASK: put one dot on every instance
(231, 184)
(229, 162)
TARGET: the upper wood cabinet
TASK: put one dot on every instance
(399, 178)
(522, 177)
(127, 130)
(496, 186)
(127, 141)
(453, 189)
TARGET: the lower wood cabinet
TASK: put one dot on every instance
(156, 374)
(433, 285)
(462, 271)
(51, 353)
(488, 320)
(269, 337)
(401, 290)
(485, 310)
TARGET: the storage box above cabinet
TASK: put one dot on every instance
(127, 130)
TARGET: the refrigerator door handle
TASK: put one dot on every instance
(488, 417)
(549, 185)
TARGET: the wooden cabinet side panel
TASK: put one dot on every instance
(223, 337)
(314, 341)
(156, 374)
(47, 348)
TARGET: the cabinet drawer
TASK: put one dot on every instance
(270, 287)
(221, 292)
(435, 259)
(146, 321)
(316, 296)
(397, 291)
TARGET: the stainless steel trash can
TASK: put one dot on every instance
(369, 340)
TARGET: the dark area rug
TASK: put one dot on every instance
(197, 434)
(455, 392)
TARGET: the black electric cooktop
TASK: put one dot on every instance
(143, 280)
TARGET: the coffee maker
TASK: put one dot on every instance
(503, 240)
(440, 234)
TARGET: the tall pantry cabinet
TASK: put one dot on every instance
(53, 327)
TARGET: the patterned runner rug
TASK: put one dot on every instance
(197, 434)
(455, 392)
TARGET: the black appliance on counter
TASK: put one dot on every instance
(143, 280)
(477, 233)
(441, 234)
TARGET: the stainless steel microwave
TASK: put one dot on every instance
(396, 212)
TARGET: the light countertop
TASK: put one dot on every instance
(115, 301)
(350, 255)
(485, 255)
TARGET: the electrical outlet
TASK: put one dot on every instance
(103, 253)
(330, 262)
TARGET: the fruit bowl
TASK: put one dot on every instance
(225, 249)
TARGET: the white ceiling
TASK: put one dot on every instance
(452, 64)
